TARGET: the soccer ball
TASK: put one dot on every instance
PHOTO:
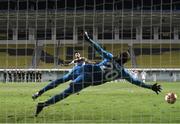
(171, 98)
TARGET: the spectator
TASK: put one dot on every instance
(5, 76)
(10, 76)
(143, 76)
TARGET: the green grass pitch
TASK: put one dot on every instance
(111, 102)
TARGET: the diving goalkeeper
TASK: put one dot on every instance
(111, 68)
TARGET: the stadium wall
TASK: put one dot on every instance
(46, 75)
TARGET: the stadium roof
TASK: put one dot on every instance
(127, 18)
(109, 12)
(92, 4)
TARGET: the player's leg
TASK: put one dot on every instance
(98, 48)
(74, 87)
(54, 99)
(52, 85)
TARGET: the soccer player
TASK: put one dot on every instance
(78, 61)
(111, 68)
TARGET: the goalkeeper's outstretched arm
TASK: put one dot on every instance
(97, 47)
(155, 87)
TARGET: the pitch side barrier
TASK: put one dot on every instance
(46, 75)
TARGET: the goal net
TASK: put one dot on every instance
(46, 34)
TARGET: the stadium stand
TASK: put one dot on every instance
(16, 56)
(157, 56)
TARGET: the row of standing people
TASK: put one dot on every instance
(22, 76)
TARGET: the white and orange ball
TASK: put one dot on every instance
(171, 98)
